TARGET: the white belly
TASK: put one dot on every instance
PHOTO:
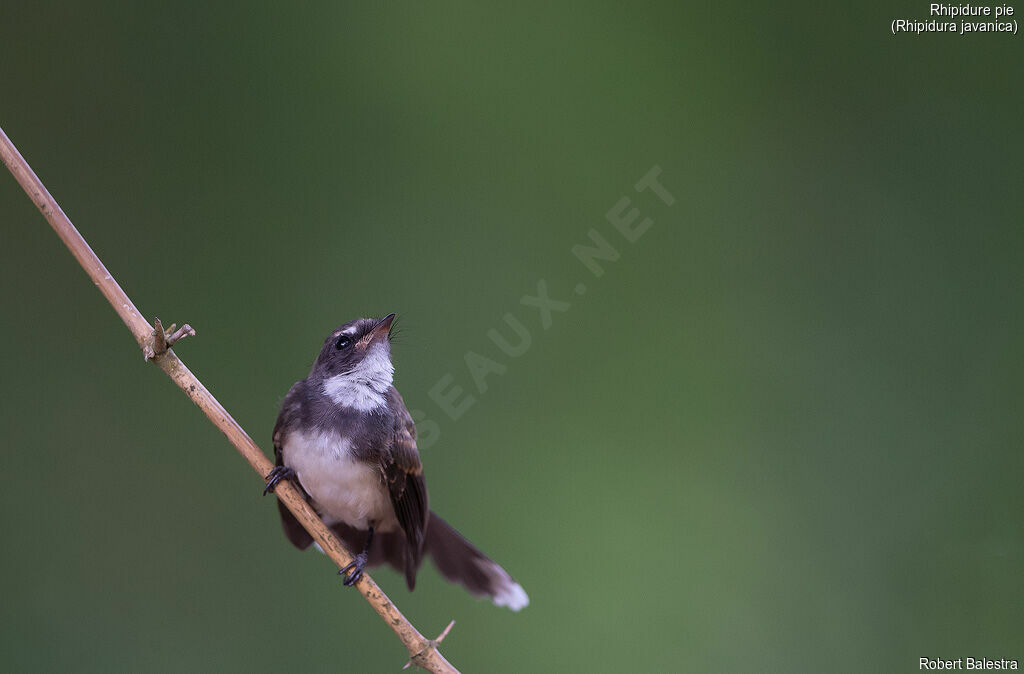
(343, 488)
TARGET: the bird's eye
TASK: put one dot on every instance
(343, 342)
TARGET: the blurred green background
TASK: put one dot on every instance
(781, 433)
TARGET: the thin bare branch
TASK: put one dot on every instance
(155, 344)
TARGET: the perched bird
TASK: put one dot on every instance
(345, 437)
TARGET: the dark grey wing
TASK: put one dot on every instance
(295, 532)
(404, 474)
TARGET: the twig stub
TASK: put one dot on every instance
(161, 339)
(432, 645)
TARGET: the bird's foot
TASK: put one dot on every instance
(274, 478)
(354, 570)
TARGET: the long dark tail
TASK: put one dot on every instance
(459, 561)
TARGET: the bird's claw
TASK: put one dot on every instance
(356, 568)
(276, 476)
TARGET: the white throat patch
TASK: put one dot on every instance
(363, 388)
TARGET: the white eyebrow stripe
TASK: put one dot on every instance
(349, 331)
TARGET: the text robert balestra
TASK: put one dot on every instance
(937, 664)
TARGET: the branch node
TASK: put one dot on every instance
(161, 339)
(432, 644)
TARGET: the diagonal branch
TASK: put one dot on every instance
(155, 343)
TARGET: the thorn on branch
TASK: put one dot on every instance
(432, 644)
(164, 339)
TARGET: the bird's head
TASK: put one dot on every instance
(357, 356)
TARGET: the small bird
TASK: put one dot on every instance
(345, 437)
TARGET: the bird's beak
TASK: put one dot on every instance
(379, 331)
